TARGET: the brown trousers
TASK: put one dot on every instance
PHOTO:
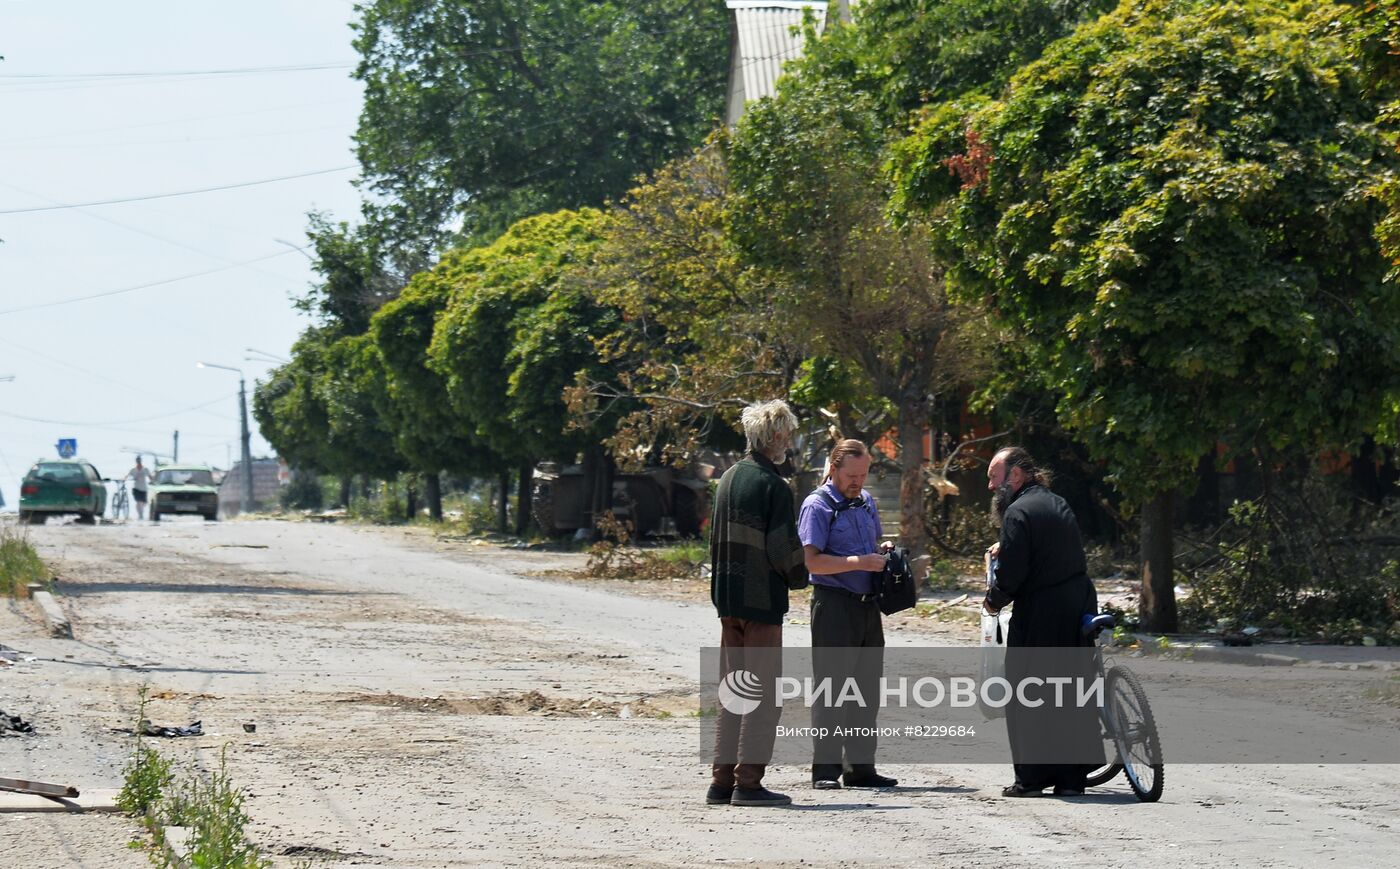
(748, 738)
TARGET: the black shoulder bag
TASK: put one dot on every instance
(895, 591)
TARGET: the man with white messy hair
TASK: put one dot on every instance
(756, 558)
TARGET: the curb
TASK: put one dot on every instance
(52, 612)
(175, 842)
(1248, 656)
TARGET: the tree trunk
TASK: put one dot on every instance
(1365, 477)
(1157, 609)
(522, 503)
(432, 491)
(1204, 505)
(410, 498)
(344, 501)
(503, 506)
(590, 491)
(911, 477)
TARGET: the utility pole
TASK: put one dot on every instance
(247, 502)
(247, 453)
(176, 448)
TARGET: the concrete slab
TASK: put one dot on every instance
(53, 615)
(96, 800)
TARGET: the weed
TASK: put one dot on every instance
(213, 811)
(147, 774)
(20, 564)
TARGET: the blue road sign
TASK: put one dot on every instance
(67, 447)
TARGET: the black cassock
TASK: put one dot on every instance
(1041, 567)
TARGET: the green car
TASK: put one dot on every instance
(180, 489)
(56, 486)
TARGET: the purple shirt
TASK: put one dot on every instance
(856, 531)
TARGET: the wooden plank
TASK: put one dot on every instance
(45, 789)
(91, 801)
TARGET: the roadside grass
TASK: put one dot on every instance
(20, 564)
(209, 806)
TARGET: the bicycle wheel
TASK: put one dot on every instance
(1135, 732)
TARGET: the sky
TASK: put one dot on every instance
(106, 309)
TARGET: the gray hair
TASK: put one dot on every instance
(765, 421)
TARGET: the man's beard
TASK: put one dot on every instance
(1001, 499)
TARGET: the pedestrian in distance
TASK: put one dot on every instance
(140, 479)
(756, 559)
(840, 530)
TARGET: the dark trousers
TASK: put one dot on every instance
(758, 648)
(848, 642)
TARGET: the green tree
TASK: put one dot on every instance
(427, 432)
(490, 111)
(811, 200)
(699, 335)
(1171, 216)
(355, 276)
(515, 335)
(1377, 24)
(912, 53)
(318, 410)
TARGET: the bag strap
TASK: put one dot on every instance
(837, 508)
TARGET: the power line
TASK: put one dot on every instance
(247, 70)
(119, 292)
(10, 342)
(169, 195)
(218, 400)
(158, 237)
(169, 122)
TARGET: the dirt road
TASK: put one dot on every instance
(423, 702)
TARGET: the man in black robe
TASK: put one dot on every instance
(1040, 566)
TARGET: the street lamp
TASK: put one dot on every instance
(247, 504)
(269, 357)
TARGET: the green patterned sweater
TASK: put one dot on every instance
(755, 554)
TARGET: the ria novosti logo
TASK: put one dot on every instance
(740, 692)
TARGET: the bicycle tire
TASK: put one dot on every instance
(1135, 733)
(1104, 773)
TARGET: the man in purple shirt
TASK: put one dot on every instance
(840, 531)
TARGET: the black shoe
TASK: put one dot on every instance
(719, 795)
(759, 796)
(826, 784)
(868, 780)
(1016, 790)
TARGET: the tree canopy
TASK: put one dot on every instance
(514, 335)
(491, 111)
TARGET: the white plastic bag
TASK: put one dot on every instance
(994, 629)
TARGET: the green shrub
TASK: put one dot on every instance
(1305, 559)
(304, 492)
(20, 564)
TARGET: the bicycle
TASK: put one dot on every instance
(1128, 725)
(121, 503)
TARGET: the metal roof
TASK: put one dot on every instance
(763, 40)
